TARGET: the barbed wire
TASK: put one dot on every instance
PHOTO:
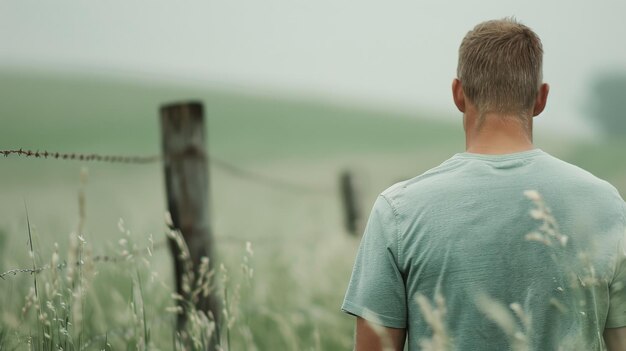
(213, 160)
(83, 157)
(139, 252)
(98, 258)
(225, 165)
(268, 180)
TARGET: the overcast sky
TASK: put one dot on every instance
(395, 53)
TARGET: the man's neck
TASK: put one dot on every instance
(497, 134)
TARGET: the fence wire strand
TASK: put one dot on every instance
(139, 252)
(82, 157)
(96, 259)
(235, 170)
(266, 179)
(213, 161)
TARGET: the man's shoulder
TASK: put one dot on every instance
(423, 183)
(575, 175)
(456, 175)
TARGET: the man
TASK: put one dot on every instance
(500, 247)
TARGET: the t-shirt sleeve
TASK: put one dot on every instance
(617, 290)
(376, 291)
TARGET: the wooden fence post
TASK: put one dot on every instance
(350, 205)
(187, 186)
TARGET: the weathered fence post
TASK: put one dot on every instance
(187, 185)
(350, 203)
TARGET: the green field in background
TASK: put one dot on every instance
(82, 113)
(116, 116)
(302, 256)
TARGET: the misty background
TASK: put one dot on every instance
(397, 54)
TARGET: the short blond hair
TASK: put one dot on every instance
(500, 67)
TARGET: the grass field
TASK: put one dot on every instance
(302, 255)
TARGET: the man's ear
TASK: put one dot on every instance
(457, 95)
(542, 99)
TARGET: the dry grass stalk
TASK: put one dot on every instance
(435, 316)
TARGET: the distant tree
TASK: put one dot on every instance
(608, 103)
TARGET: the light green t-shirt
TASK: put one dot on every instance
(517, 249)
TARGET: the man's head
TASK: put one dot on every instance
(500, 70)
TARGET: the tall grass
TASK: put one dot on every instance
(123, 299)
